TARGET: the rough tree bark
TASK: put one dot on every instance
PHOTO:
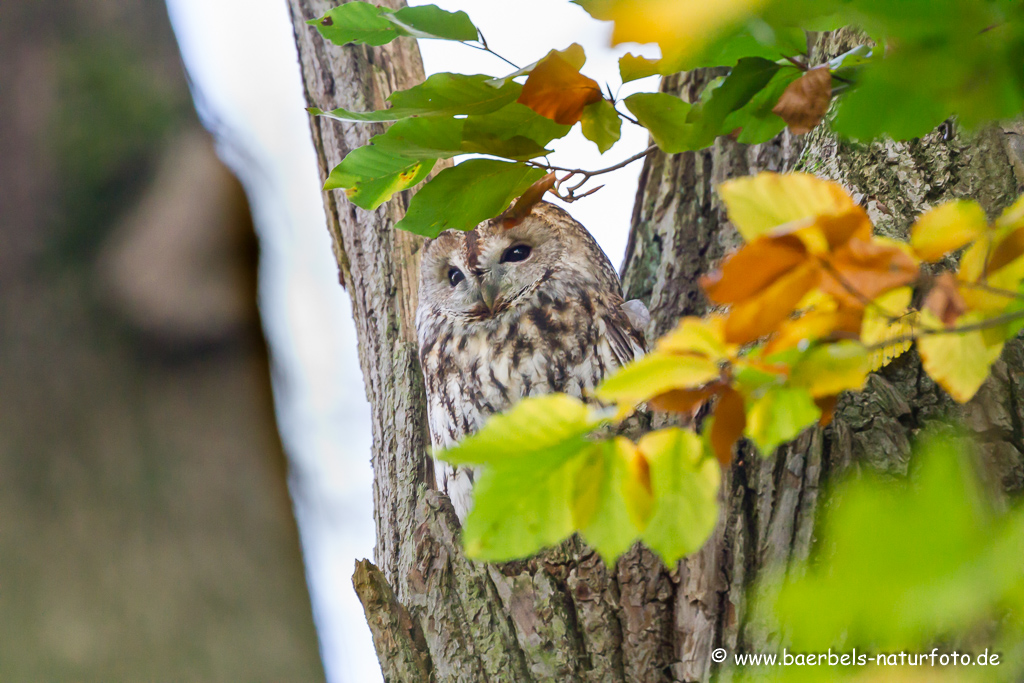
(437, 616)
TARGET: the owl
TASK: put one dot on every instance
(510, 312)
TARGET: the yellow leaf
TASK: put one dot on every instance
(829, 369)
(654, 374)
(681, 27)
(1013, 216)
(704, 337)
(947, 228)
(878, 329)
(978, 266)
(811, 326)
(958, 362)
(636, 487)
(757, 204)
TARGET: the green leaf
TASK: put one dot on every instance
(608, 502)
(367, 24)
(443, 94)
(828, 369)
(430, 21)
(757, 121)
(371, 175)
(685, 487)
(905, 564)
(601, 124)
(356, 22)
(514, 120)
(522, 506)
(460, 198)
(771, 42)
(532, 453)
(426, 137)
(657, 373)
(779, 416)
(664, 116)
(551, 423)
(632, 67)
(748, 77)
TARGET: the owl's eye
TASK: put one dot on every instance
(455, 276)
(518, 252)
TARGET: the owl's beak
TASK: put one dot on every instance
(489, 291)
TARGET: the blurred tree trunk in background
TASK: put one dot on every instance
(437, 616)
(146, 531)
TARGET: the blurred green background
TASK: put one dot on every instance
(146, 531)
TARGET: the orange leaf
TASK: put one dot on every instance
(827, 405)
(804, 102)
(944, 300)
(683, 400)
(730, 421)
(753, 267)
(866, 269)
(761, 314)
(558, 91)
(840, 228)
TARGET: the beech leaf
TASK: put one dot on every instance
(805, 101)
(601, 124)
(958, 362)
(557, 90)
(946, 228)
(462, 197)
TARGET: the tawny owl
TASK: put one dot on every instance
(509, 312)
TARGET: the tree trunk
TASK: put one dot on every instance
(437, 616)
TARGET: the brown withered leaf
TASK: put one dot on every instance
(558, 91)
(730, 421)
(805, 101)
(944, 300)
(515, 214)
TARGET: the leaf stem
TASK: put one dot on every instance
(483, 46)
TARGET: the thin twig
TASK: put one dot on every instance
(795, 62)
(580, 171)
(483, 46)
(586, 175)
(628, 118)
(857, 294)
(988, 324)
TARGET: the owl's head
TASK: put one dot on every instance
(489, 271)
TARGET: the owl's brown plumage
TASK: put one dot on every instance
(506, 313)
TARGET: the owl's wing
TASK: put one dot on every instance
(625, 325)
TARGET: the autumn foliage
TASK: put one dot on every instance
(810, 303)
